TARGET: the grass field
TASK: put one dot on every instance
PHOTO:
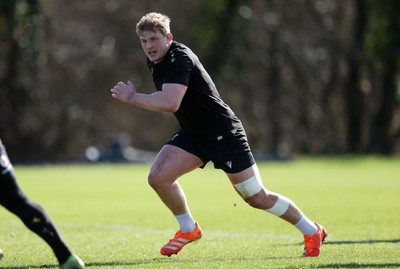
(112, 219)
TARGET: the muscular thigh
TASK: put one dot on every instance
(236, 178)
(172, 162)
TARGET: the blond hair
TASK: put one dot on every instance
(152, 22)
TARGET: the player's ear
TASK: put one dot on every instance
(169, 37)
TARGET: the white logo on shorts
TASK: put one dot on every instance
(4, 161)
(175, 136)
(229, 164)
(5, 164)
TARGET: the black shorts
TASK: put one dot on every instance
(231, 153)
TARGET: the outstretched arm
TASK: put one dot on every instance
(167, 100)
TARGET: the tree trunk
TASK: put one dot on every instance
(355, 101)
(382, 141)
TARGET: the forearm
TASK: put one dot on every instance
(167, 100)
(155, 102)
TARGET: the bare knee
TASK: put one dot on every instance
(154, 179)
(159, 181)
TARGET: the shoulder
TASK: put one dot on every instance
(179, 51)
(179, 48)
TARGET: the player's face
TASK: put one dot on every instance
(155, 44)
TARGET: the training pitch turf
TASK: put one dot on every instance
(112, 219)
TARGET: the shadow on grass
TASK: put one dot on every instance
(369, 241)
(357, 242)
(35, 266)
(360, 265)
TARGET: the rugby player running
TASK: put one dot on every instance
(209, 131)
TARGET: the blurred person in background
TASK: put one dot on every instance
(32, 214)
(209, 131)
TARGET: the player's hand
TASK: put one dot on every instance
(124, 92)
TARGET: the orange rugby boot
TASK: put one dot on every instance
(312, 243)
(180, 240)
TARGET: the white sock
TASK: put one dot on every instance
(306, 226)
(186, 222)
